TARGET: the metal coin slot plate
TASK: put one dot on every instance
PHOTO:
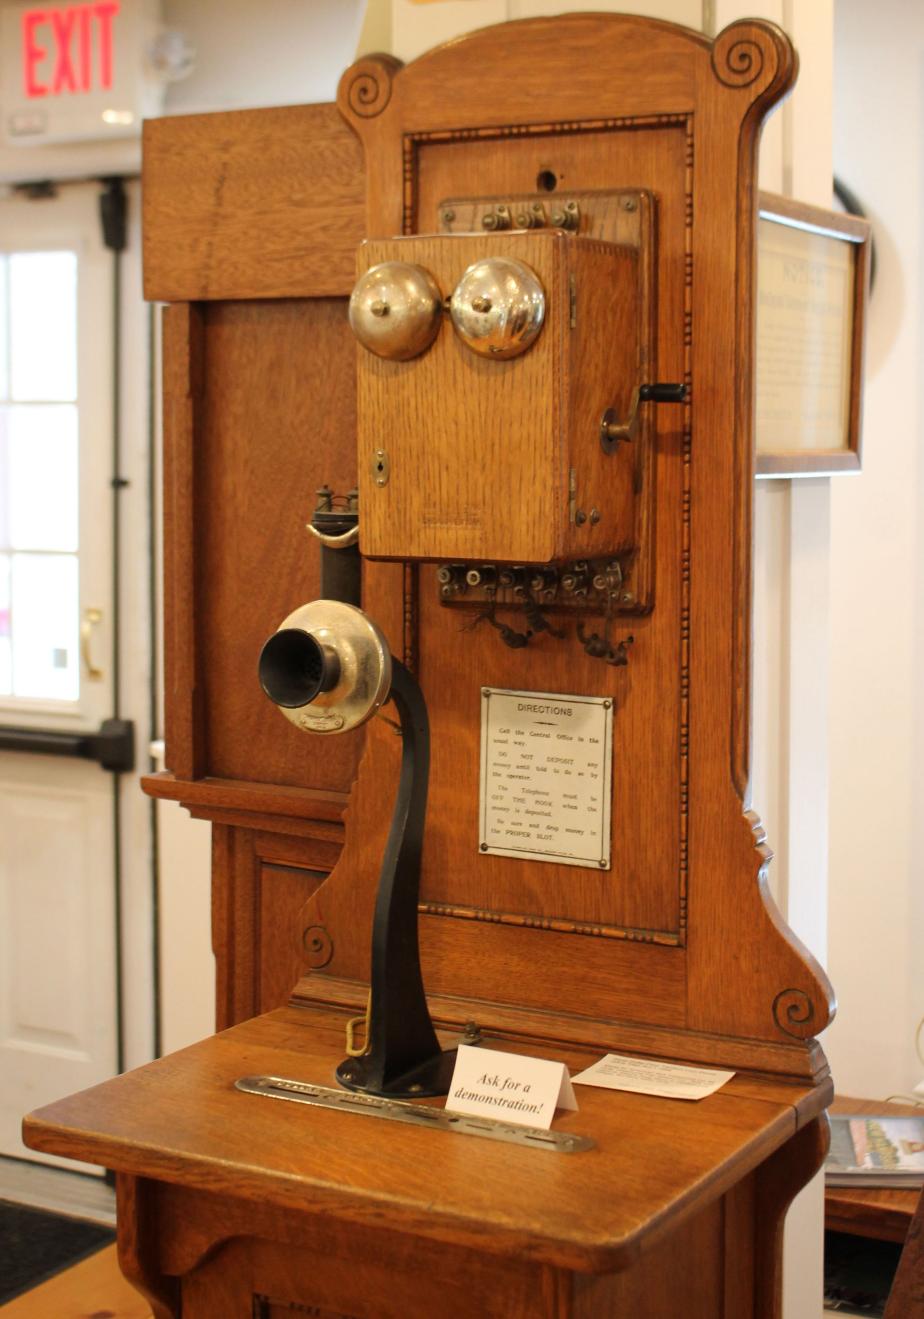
(418, 1115)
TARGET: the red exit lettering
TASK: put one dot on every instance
(67, 37)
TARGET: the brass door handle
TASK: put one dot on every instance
(91, 617)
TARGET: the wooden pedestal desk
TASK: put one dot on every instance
(232, 1204)
(624, 150)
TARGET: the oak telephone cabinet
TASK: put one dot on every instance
(497, 309)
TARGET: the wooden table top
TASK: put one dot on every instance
(656, 1160)
(875, 1211)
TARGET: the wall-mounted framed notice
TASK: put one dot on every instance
(812, 282)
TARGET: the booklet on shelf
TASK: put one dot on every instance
(876, 1149)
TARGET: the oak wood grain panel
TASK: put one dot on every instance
(743, 1222)
(183, 385)
(251, 204)
(575, 69)
(610, 348)
(642, 894)
(555, 1029)
(778, 1181)
(316, 804)
(285, 942)
(138, 1248)
(655, 1285)
(279, 423)
(680, 1158)
(263, 936)
(346, 1276)
(235, 925)
(226, 1250)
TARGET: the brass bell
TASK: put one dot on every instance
(498, 307)
(395, 310)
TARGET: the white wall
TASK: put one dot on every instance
(877, 597)
(275, 52)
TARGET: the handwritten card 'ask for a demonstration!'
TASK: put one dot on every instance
(509, 1087)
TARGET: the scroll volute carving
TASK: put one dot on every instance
(681, 934)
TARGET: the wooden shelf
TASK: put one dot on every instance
(876, 1212)
(179, 1120)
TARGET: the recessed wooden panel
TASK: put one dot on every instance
(284, 950)
(277, 423)
(643, 895)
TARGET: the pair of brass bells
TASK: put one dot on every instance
(497, 308)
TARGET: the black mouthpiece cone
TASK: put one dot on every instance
(294, 668)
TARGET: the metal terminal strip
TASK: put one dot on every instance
(588, 585)
(419, 1115)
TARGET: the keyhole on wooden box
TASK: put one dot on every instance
(380, 467)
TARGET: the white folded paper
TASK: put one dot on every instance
(615, 1071)
(509, 1087)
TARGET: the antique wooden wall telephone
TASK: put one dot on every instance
(328, 667)
(530, 298)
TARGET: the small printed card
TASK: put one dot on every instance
(672, 1081)
(509, 1087)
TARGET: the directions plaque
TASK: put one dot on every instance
(546, 774)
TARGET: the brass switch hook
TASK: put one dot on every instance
(612, 430)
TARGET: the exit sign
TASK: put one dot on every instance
(76, 72)
(67, 50)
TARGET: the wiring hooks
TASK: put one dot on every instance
(508, 635)
(486, 615)
(536, 619)
(600, 647)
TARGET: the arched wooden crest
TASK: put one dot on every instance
(676, 949)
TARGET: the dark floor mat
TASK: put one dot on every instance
(858, 1273)
(35, 1245)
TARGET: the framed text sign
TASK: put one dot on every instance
(546, 772)
(812, 277)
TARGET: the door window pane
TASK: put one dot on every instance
(44, 609)
(42, 474)
(39, 578)
(43, 326)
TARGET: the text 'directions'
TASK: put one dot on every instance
(546, 771)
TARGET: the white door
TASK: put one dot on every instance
(58, 904)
